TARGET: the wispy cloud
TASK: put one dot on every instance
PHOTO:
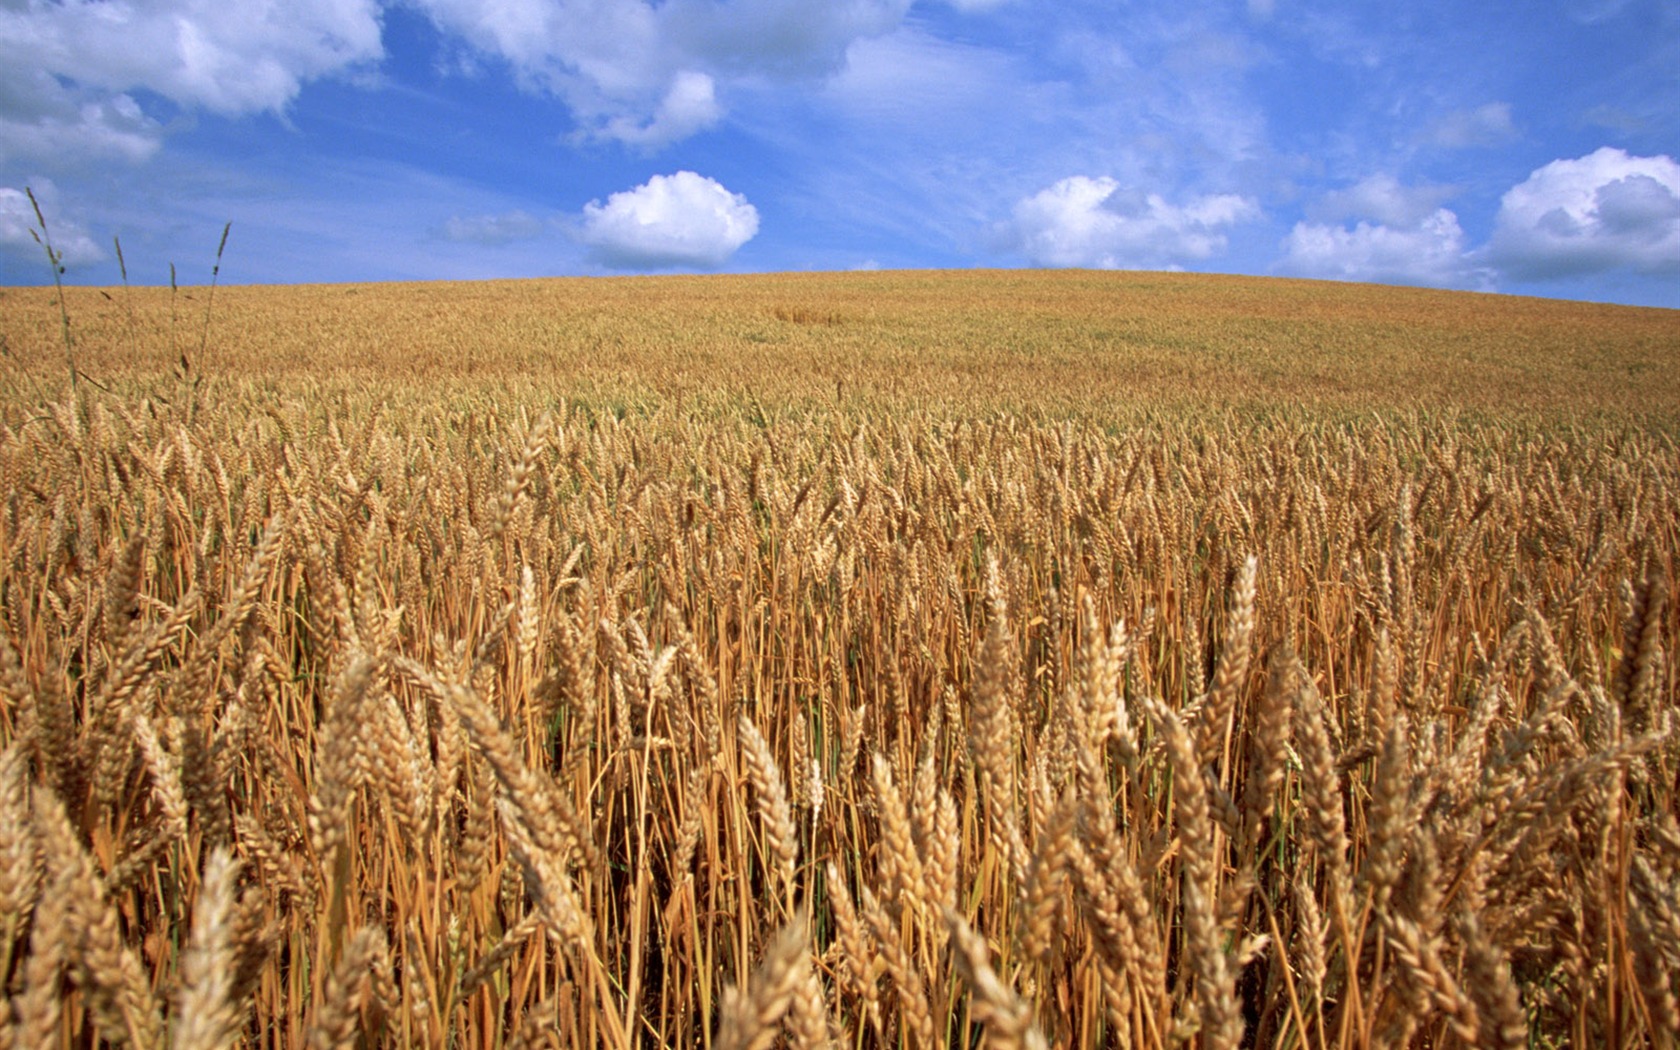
(1485, 126)
(493, 229)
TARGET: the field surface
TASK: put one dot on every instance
(862, 660)
(1100, 347)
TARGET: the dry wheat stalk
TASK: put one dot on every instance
(807, 1017)
(991, 730)
(499, 954)
(1007, 1018)
(207, 1014)
(348, 991)
(915, 1016)
(39, 1004)
(338, 767)
(1460, 707)
(1489, 983)
(1232, 673)
(1654, 925)
(538, 1028)
(20, 862)
(1219, 1015)
(543, 809)
(1042, 895)
(750, 1018)
(774, 811)
(1389, 813)
(107, 969)
(902, 875)
(857, 975)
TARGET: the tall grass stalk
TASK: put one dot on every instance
(55, 260)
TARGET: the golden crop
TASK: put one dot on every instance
(1099, 347)
(854, 660)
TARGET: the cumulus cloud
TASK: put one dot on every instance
(681, 220)
(591, 51)
(68, 71)
(1383, 231)
(1430, 252)
(493, 229)
(689, 106)
(228, 56)
(18, 227)
(1092, 222)
(647, 74)
(46, 123)
(1605, 211)
(637, 71)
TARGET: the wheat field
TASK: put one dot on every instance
(874, 660)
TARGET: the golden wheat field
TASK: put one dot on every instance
(870, 660)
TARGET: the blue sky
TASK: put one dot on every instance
(1517, 147)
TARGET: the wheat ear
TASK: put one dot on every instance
(208, 1016)
(1007, 1017)
(773, 808)
(750, 1019)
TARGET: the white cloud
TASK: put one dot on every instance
(19, 227)
(493, 229)
(681, 220)
(1382, 199)
(1430, 252)
(918, 85)
(636, 71)
(1486, 125)
(44, 123)
(689, 106)
(647, 74)
(1605, 211)
(1399, 234)
(1083, 221)
(782, 38)
(68, 70)
(228, 56)
(591, 52)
